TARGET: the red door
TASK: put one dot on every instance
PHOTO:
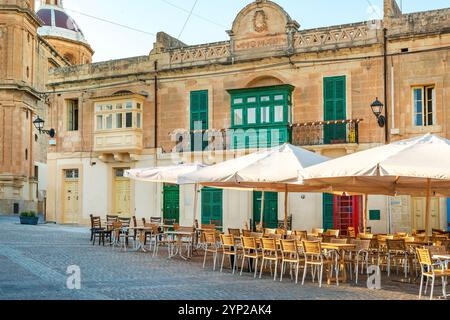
(346, 213)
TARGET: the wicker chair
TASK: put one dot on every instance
(430, 270)
(315, 258)
(229, 248)
(290, 255)
(269, 254)
(211, 246)
(250, 252)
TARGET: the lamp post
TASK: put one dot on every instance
(39, 125)
(377, 109)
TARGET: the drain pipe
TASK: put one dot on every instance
(155, 141)
(386, 112)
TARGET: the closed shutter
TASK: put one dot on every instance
(335, 108)
(199, 118)
(328, 211)
(212, 205)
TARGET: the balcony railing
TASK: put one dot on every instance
(326, 133)
(301, 134)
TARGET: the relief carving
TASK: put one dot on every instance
(260, 21)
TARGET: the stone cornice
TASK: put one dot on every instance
(28, 12)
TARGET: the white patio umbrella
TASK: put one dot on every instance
(416, 167)
(267, 170)
(167, 174)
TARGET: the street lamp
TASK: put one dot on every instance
(39, 125)
(377, 109)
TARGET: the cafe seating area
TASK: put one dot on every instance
(316, 256)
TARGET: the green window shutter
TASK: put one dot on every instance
(171, 203)
(212, 205)
(335, 108)
(270, 208)
(328, 211)
(199, 117)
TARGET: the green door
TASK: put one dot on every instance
(199, 119)
(171, 201)
(270, 209)
(212, 205)
(335, 108)
(328, 211)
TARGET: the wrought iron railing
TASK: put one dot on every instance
(326, 133)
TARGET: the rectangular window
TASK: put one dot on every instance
(99, 122)
(139, 106)
(251, 100)
(129, 120)
(72, 115)
(119, 121)
(265, 99)
(109, 107)
(138, 120)
(119, 106)
(99, 108)
(238, 101)
(424, 106)
(251, 116)
(129, 105)
(71, 174)
(279, 114)
(265, 115)
(109, 121)
(238, 117)
(279, 97)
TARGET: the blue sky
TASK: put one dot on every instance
(210, 20)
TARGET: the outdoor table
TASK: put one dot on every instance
(341, 249)
(443, 260)
(140, 240)
(179, 243)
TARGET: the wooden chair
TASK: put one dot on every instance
(169, 222)
(208, 227)
(365, 236)
(339, 241)
(246, 233)
(97, 231)
(155, 219)
(351, 232)
(268, 231)
(281, 232)
(302, 234)
(397, 253)
(269, 254)
(290, 255)
(211, 246)
(250, 251)
(235, 232)
(315, 258)
(430, 270)
(121, 236)
(359, 255)
(332, 233)
(229, 248)
(257, 235)
(317, 232)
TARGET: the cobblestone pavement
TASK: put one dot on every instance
(34, 260)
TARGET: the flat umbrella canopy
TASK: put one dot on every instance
(416, 167)
(168, 174)
(267, 170)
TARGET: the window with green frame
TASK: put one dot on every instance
(199, 119)
(261, 117)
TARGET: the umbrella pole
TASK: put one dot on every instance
(427, 213)
(366, 205)
(286, 194)
(195, 202)
(261, 221)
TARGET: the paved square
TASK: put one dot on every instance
(34, 260)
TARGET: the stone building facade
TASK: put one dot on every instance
(272, 82)
(25, 58)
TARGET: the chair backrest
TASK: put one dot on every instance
(317, 231)
(289, 246)
(281, 232)
(117, 226)
(144, 221)
(269, 244)
(155, 219)
(275, 236)
(227, 240)
(125, 221)
(400, 235)
(249, 243)
(111, 218)
(169, 222)
(327, 238)
(339, 241)
(366, 236)
(96, 222)
(361, 244)
(246, 233)
(424, 257)
(210, 237)
(268, 231)
(332, 233)
(445, 244)
(396, 245)
(409, 239)
(312, 247)
(257, 235)
(208, 226)
(186, 229)
(234, 232)
(385, 237)
(351, 232)
(436, 250)
(302, 234)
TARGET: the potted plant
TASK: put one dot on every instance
(29, 218)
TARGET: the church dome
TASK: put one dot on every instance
(57, 23)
